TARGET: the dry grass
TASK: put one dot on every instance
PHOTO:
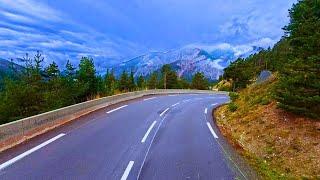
(278, 144)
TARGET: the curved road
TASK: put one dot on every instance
(157, 137)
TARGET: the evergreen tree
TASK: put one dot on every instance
(38, 60)
(131, 82)
(70, 70)
(72, 89)
(199, 82)
(153, 81)
(299, 86)
(141, 83)
(52, 70)
(87, 78)
(110, 82)
(183, 84)
(123, 82)
(169, 78)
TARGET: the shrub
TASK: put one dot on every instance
(233, 96)
(232, 107)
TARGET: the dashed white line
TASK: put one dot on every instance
(21, 156)
(212, 131)
(149, 98)
(172, 95)
(117, 109)
(187, 100)
(175, 104)
(164, 112)
(127, 171)
(148, 132)
(214, 104)
(206, 110)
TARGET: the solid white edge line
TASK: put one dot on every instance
(116, 109)
(164, 112)
(175, 104)
(149, 98)
(212, 131)
(127, 171)
(148, 132)
(21, 156)
(206, 111)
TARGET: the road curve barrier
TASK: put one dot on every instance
(18, 131)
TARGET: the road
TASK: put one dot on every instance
(156, 137)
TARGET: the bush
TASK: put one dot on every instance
(232, 107)
(265, 101)
(233, 96)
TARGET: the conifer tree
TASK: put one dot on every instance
(153, 81)
(299, 86)
(123, 82)
(199, 81)
(141, 83)
(131, 82)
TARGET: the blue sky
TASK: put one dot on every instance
(111, 31)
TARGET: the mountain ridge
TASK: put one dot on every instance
(186, 61)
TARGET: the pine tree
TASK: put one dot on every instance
(123, 82)
(169, 78)
(70, 70)
(131, 82)
(141, 83)
(87, 78)
(153, 81)
(52, 70)
(110, 82)
(199, 81)
(299, 87)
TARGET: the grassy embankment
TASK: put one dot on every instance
(279, 145)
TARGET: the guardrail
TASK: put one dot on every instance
(18, 131)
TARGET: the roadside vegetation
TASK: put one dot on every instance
(296, 60)
(275, 122)
(34, 89)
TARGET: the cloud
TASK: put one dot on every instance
(115, 31)
(28, 26)
(30, 8)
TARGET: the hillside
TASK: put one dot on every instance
(6, 69)
(278, 144)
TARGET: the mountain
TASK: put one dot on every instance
(6, 66)
(187, 61)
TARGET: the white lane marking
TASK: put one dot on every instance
(187, 100)
(148, 132)
(149, 147)
(175, 104)
(212, 131)
(117, 109)
(19, 157)
(127, 171)
(214, 104)
(149, 98)
(172, 95)
(164, 112)
(206, 110)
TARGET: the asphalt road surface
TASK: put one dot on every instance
(156, 137)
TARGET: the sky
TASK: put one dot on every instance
(111, 31)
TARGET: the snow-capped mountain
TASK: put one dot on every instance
(188, 60)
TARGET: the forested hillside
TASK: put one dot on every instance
(35, 89)
(275, 123)
(295, 59)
